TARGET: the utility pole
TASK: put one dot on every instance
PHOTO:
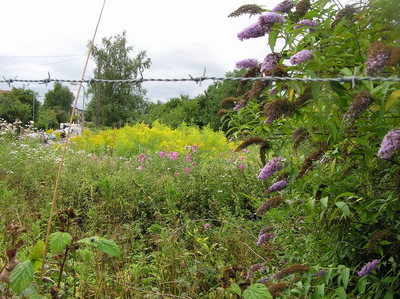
(98, 92)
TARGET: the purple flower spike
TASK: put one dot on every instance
(270, 61)
(371, 266)
(306, 23)
(278, 186)
(301, 57)
(284, 6)
(247, 63)
(270, 168)
(390, 143)
(268, 20)
(252, 31)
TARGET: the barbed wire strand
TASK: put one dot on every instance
(352, 79)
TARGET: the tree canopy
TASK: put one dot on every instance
(119, 102)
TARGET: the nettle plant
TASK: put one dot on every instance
(23, 277)
(329, 148)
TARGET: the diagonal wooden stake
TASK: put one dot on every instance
(64, 150)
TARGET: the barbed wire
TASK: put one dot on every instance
(352, 79)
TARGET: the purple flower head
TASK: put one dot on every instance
(360, 103)
(270, 61)
(319, 273)
(265, 280)
(187, 169)
(390, 143)
(197, 262)
(247, 63)
(278, 186)
(268, 20)
(265, 237)
(95, 158)
(371, 266)
(252, 269)
(241, 167)
(206, 226)
(378, 56)
(306, 23)
(252, 31)
(301, 57)
(284, 6)
(183, 264)
(240, 104)
(270, 168)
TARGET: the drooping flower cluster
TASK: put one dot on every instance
(378, 56)
(270, 61)
(347, 12)
(269, 19)
(390, 143)
(371, 266)
(247, 63)
(265, 234)
(278, 186)
(270, 168)
(302, 7)
(319, 274)
(307, 23)
(301, 57)
(253, 31)
(276, 109)
(251, 9)
(262, 27)
(360, 103)
(253, 269)
(271, 203)
(378, 237)
(240, 104)
(296, 268)
(284, 6)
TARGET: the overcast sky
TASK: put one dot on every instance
(181, 37)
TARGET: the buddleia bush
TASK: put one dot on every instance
(337, 141)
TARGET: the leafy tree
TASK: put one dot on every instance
(47, 119)
(119, 102)
(18, 104)
(60, 99)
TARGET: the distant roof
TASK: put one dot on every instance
(3, 91)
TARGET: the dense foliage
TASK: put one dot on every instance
(306, 206)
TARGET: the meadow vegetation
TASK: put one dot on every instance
(304, 203)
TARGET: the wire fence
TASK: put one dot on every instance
(352, 79)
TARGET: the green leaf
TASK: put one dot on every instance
(344, 207)
(389, 295)
(332, 129)
(341, 293)
(36, 296)
(333, 167)
(361, 285)
(235, 288)
(37, 252)
(109, 247)
(294, 85)
(256, 291)
(321, 289)
(324, 202)
(22, 276)
(360, 141)
(345, 277)
(272, 40)
(338, 88)
(59, 240)
(104, 245)
(392, 98)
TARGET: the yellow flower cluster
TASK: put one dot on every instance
(131, 140)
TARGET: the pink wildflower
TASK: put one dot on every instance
(206, 226)
(95, 158)
(187, 169)
(241, 167)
